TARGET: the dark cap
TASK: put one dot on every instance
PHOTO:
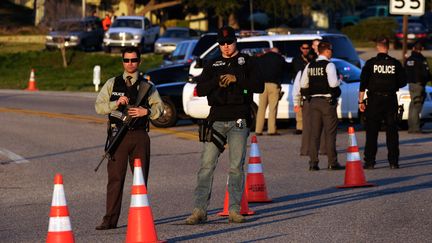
(418, 46)
(226, 34)
(383, 41)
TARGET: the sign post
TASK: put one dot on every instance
(405, 8)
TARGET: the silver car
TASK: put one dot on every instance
(172, 36)
(182, 54)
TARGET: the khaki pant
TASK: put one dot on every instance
(270, 98)
(299, 120)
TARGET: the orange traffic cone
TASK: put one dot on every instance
(244, 206)
(32, 82)
(140, 221)
(354, 175)
(255, 183)
(59, 229)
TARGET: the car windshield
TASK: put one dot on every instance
(131, 23)
(70, 26)
(250, 48)
(290, 48)
(349, 72)
(343, 49)
(204, 43)
(169, 74)
(176, 33)
(181, 51)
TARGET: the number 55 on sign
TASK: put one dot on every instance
(407, 7)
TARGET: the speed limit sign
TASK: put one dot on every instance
(407, 7)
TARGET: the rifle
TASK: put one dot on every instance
(127, 122)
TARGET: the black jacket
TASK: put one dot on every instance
(417, 69)
(383, 74)
(232, 102)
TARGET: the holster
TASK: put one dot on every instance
(206, 133)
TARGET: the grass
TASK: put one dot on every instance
(362, 44)
(50, 74)
(10, 47)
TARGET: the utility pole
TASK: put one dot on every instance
(83, 8)
(251, 14)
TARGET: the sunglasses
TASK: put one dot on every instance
(305, 48)
(228, 42)
(133, 60)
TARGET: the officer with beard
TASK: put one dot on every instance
(228, 83)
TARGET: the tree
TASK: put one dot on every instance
(286, 9)
(222, 9)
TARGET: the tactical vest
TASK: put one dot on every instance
(318, 82)
(384, 78)
(120, 89)
(233, 94)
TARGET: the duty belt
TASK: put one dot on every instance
(382, 93)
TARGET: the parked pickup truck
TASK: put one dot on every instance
(131, 31)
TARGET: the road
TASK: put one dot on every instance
(44, 133)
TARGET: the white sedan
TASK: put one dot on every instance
(197, 107)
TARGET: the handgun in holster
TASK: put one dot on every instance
(208, 134)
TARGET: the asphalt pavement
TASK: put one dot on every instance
(55, 132)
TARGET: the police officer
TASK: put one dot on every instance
(274, 64)
(299, 63)
(321, 79)
(301, 103)
(382, 76)
(418, 74)
(229, 86)
(120, 94)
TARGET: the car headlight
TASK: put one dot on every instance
(107, 35)
(158, 44)
(74, 38)
(137, 37)
(48, 37)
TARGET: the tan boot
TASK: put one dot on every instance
(235, 217)
(198, 216)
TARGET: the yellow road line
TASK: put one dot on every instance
(180, 134)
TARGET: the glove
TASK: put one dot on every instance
(226, 80)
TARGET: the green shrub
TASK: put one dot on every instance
(370, 28)
(177, 23)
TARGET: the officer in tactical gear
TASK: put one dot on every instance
(119, 94)
(382, 76)
(320, 78)
(229, 83)
(418, 74)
